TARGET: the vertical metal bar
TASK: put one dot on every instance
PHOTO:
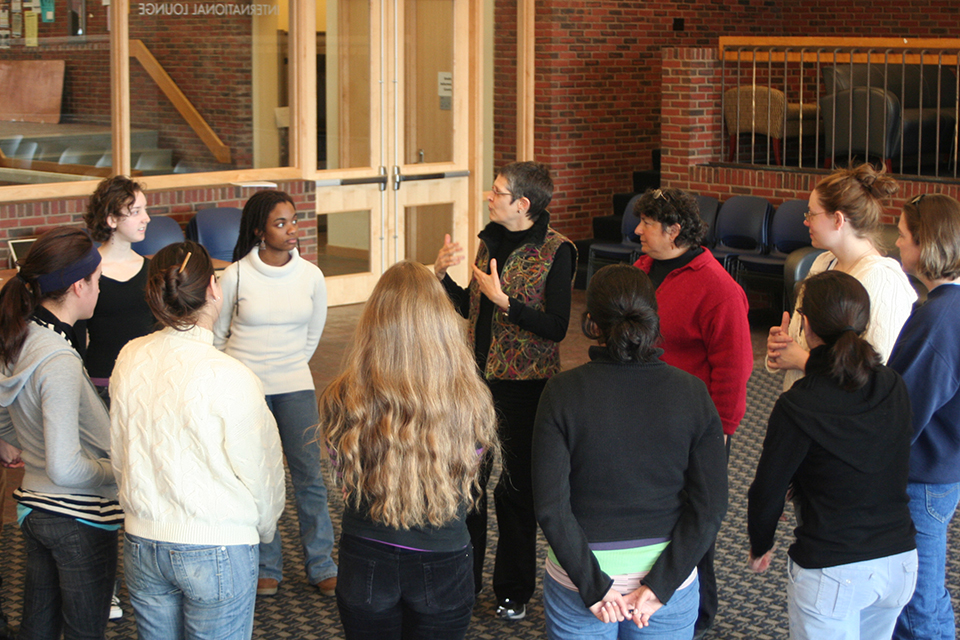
(769, 101)
(816, 145)
(866, 141)
(956, 115)
(920, 123)
(936, 145)
(753, 107)
(850, 115)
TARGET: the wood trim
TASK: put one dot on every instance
(176, 97)
(303, 89)
(526, 81)
(840, 50)
(120, 85)
(476, 125)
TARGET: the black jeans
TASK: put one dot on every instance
(69, 578)
(385, 592)
(515, 567)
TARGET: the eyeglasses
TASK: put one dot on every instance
(810, 215)
(500, 193)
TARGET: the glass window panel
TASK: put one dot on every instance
(425, 226)
(57, 96)
(229, 62)
(429, 82)
(343, 242)
(343, 84)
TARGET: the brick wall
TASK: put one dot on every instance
(27, 219)
(598, 69)
(691, 138)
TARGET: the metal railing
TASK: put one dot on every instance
(816, 102)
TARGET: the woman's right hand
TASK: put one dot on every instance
(778, 339)
(451, 253)
(612, 608)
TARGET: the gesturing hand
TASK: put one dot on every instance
(490, 285)
(451, 253)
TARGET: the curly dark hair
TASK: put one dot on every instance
(673, 206)
(112, 196)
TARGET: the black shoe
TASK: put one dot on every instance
(510, 610)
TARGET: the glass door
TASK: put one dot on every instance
(393, 147)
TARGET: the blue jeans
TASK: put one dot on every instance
(929, 614)
(191, 590)
(69, 578)
(385, 592)
(296, 415)
(859, 600)
(568, 618)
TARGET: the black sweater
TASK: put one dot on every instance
(624, 452)
(847, 455)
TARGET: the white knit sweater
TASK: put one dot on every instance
(891, 302)
(195, 450)
(278, 322)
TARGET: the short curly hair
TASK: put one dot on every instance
(112, 196)
(670, 207)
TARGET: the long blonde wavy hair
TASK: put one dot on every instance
(407, 416)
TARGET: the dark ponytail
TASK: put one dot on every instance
(253, 220)
(837, 308)
(58, 250)
(622, 313)
(177, 284)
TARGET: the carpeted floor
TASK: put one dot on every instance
(751, 606)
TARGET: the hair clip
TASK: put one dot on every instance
(185, 260)
(917, 199)
(659, 194)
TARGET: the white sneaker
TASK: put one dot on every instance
(115, 611)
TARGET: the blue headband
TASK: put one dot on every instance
(63, 278)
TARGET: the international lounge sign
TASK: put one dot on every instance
(206, 9)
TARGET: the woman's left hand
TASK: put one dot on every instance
(791, 356)
(644, 604)
(613, 608)
(9, 455)
(490, 285)
(761, 564)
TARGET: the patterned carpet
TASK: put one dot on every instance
(751, 606)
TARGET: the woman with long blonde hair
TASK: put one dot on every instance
(406, 423)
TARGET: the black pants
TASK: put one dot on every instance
(515, 567)
(708, 582)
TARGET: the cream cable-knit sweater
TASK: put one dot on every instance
(891, 302)
(278, 320)
(196, 452)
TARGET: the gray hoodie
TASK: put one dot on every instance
(51, 410)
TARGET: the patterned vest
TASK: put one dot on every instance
(516, 354)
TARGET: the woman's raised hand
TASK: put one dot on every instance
(451, 253)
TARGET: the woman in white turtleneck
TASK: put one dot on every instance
(274, 309)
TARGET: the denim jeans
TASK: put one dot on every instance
(197, 591)
(69, 578)
(859, 600)
(929, 614)
(296, 415)
(568, 618)
(385, 592)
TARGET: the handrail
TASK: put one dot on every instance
(845, 49)
(156, 71)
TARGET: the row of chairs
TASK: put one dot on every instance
(216, 229)
(147, 161)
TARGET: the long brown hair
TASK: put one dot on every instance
(407, 415)
(838, 309)
(21, 295)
